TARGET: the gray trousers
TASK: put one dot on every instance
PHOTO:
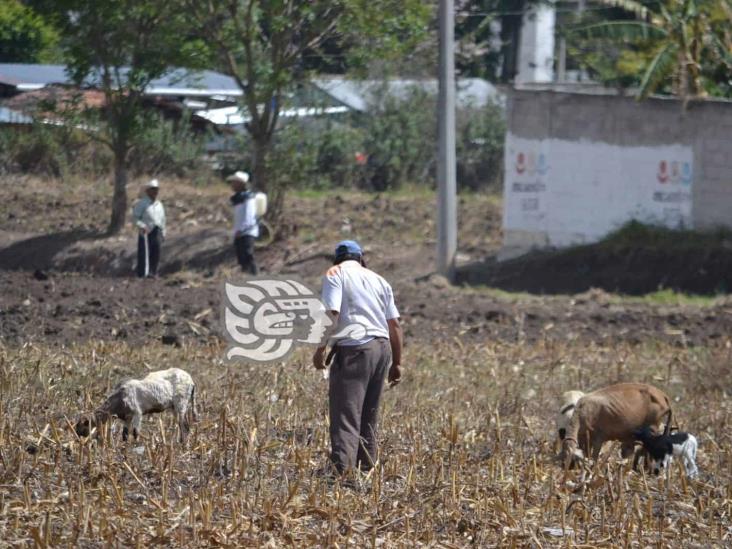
(356, 382)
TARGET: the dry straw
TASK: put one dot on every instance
(467, 455)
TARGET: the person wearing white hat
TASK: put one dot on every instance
(148, 216)
(246, 224)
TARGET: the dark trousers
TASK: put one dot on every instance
(244, 246)
(154, 241)
(356, 382)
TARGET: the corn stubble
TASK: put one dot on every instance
(467, 454)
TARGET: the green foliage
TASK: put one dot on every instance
(688, 40)
(634, 235)
(481, 133)
(395, 143)
(50, 150)
(168, 147)
(264, 45)
(165, 147)
(25, 37)
(400, 140)
(122, 46)
(337, 149)
(381, 29)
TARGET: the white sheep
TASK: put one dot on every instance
(171, 389)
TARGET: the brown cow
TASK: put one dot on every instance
(615, 412)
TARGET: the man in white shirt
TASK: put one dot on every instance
(370, 345)
(148, 215)
(246, 224)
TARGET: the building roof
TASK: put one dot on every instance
(8, 116)
(234, 116)
(359, 94)
(25, 77)
(51, 96)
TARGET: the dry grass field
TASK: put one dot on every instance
(468, 455)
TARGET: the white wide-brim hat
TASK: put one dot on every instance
(239, 176)
(153, 184)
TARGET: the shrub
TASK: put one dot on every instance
(400, 140)
(168, 147)
(479, 143)
(51, 150)
(338, 148)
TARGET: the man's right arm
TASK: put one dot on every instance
(137, 212)
(331, 295)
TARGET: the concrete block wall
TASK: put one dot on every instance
(569, 131)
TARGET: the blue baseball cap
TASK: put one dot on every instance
(346, 247)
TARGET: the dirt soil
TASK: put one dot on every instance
(632, 269)
(62, 281)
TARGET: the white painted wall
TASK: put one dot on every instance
(536, 48)
(560, 193)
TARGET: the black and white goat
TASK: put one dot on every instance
(661, 449)
(171, 389)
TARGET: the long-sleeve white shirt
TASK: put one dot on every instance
(148, 214)
(245, 218)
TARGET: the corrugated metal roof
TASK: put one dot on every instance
(12, 117)
(31, 77)
(359, 94)
(234, 116)
(178, 82)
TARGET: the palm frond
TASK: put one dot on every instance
(620, 30)
(722, 50)
(661, 66)
(633, 6)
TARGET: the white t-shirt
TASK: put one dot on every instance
(245, 218)
(363, 299)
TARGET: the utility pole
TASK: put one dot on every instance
(446, 207)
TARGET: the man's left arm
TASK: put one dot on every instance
(396, 340)
(396, 337)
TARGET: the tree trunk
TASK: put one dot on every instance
(261, 150)
(119, 198)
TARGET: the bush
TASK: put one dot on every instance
(400, 140)
(168, 147)
(339, 148)
(479, 142)
(396, 141)
(50, 150)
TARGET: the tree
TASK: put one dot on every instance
(685, 35)
(262, 44)
(121, 46)
(24, 35)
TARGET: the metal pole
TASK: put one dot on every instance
(446, 208)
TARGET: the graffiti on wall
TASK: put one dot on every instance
(575, 192)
